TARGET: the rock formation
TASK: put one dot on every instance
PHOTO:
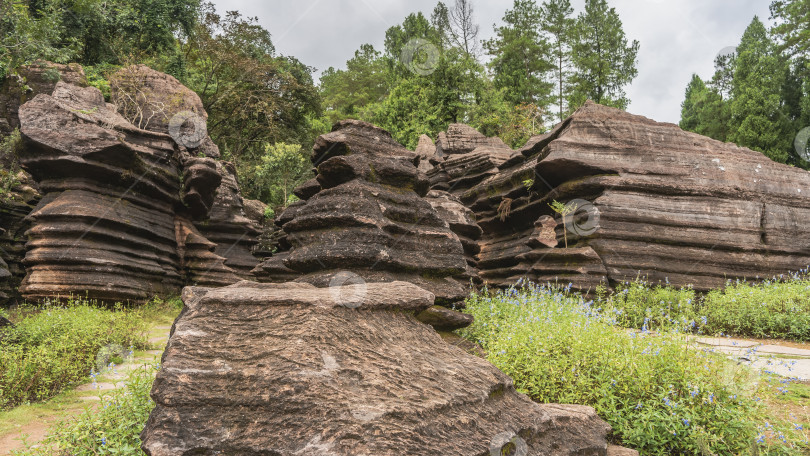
(30, 80)
(290, 369)
(124, 208)
(652, 201)
(367, 213)
(464, 158)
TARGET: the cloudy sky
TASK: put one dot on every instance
(678, 37)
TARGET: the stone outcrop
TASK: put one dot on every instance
(127, 213)
(369, 217)
(290, 369)
(229, 228)
(28, 81)
(464, 158)
(652, 201)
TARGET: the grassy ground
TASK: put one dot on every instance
(660, 392)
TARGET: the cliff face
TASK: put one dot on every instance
(124, 208)
(652, 201)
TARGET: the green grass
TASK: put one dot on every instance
(52, 348)
(112, 428)
(776, 309)
(659, 395)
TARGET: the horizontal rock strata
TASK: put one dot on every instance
(369, 216)
(653, 201)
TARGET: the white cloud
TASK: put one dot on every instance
(677, 38)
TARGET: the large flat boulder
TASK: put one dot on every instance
(290, 369)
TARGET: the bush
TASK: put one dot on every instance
(51, 348)
(660, 396)
(113, 428)
(776, 308)
(645, 307)
(772, 309)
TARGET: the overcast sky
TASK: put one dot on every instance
(678, 37)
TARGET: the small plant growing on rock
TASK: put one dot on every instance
(564, 210)
(504, 209)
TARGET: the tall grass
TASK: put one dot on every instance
(776, 308)
(659, 395)
(51, 348)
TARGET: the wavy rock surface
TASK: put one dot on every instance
(115, 221)
(290, 369)
(653, 200)
(370, 218)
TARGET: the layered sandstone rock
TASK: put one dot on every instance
(467, 157)
(653, 201)
(29, 81)
(290, 369)
(116, 219)
(370, 218)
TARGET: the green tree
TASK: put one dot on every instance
(792, 25)
(519, 53)
(758, 120)
(558, 22)
(346, 93)
(25, 37)
(704, 111)
(279, 170)
(252, 96)
(604, 61)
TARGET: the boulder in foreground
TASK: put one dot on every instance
(290, 369)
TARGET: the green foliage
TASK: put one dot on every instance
(282, 168)
(362, 83)
(558, 22)
(759, 96)
(659, 395)
(775, 308)
(792, 25)
(111, 429)
(9, 166)
(757, 118)
(564, 210)
(602, 57)
(771, 309)
(50, 348)
(518, 53)
(704, 111)
(98, 76)
(25, 37)
(252, 96)
(653, 307)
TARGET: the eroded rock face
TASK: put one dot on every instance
(116, 221)
(150, 99)
(652, 200)
(369, 217)
(27, 82)
(290, 369)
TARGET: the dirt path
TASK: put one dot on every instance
(26, 425)
(788, 359)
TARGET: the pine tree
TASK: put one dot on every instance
(704, 111)
(558, 22)
(519, 56)
(758, 120)
(792, 25)
(604, 61)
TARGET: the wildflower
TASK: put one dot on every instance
(104, 440)
(686, 422)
